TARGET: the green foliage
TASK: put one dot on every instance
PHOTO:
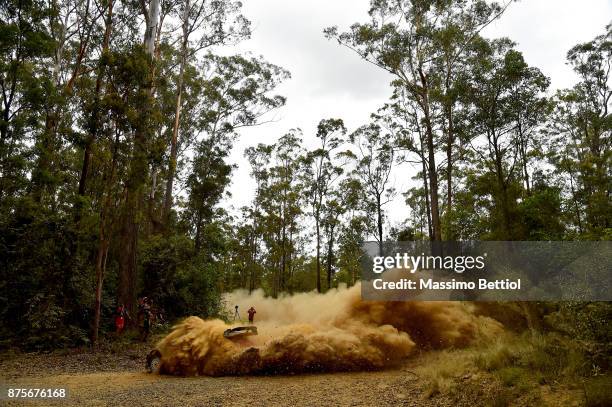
(540, 213)
(180, 282)
(582, 134)
(85, 123)
(114, 163)
(588, 320)
(51, 308)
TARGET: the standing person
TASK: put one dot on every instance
(236, 314)
(252, 313)
(120, 318)
(146, 319)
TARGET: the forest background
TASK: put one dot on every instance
(118, 121)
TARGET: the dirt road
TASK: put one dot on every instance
(392, 388)
(117, 378)
(103, 379)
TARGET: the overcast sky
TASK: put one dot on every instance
(330, 81)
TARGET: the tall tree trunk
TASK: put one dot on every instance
(152, 20)
(283, 248)
(4, 145)
(449, 170)
(379, 224)
(177, 115)
(330, 255)
(104, 243)
(433, 175)
(100, 261)
(433, 183)
(127, 254)
(254, 245)
(253, 259)
(425, 185)
(318, 230)
(522, 147)
(290, 256)
(503, 191)
(137, 173)
(575, 201)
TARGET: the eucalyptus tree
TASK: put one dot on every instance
(503, 91)
(88, 107)
(258, 158)
(276, 208)
(286, 190)
(530, 110)
(206, 186)
(335, 208)
(46, 74)
(92, 105)
(216, 23)
(237, 92)
(227, 94)
(352, 230)
(582, 131)
(143, 124)
(71, 25)
(400, 118)
(421, 43)
(374, 155)
(457, 28)
(27, 48)
(418, 220)
(321, 172)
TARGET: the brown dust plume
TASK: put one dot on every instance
(306, 332)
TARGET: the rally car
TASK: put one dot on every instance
(154, 357)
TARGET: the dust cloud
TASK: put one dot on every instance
(308, 332)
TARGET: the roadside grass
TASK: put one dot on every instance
(441, 370)
(515, 367)
(553, 356)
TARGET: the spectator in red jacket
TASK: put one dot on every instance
(251, 313)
